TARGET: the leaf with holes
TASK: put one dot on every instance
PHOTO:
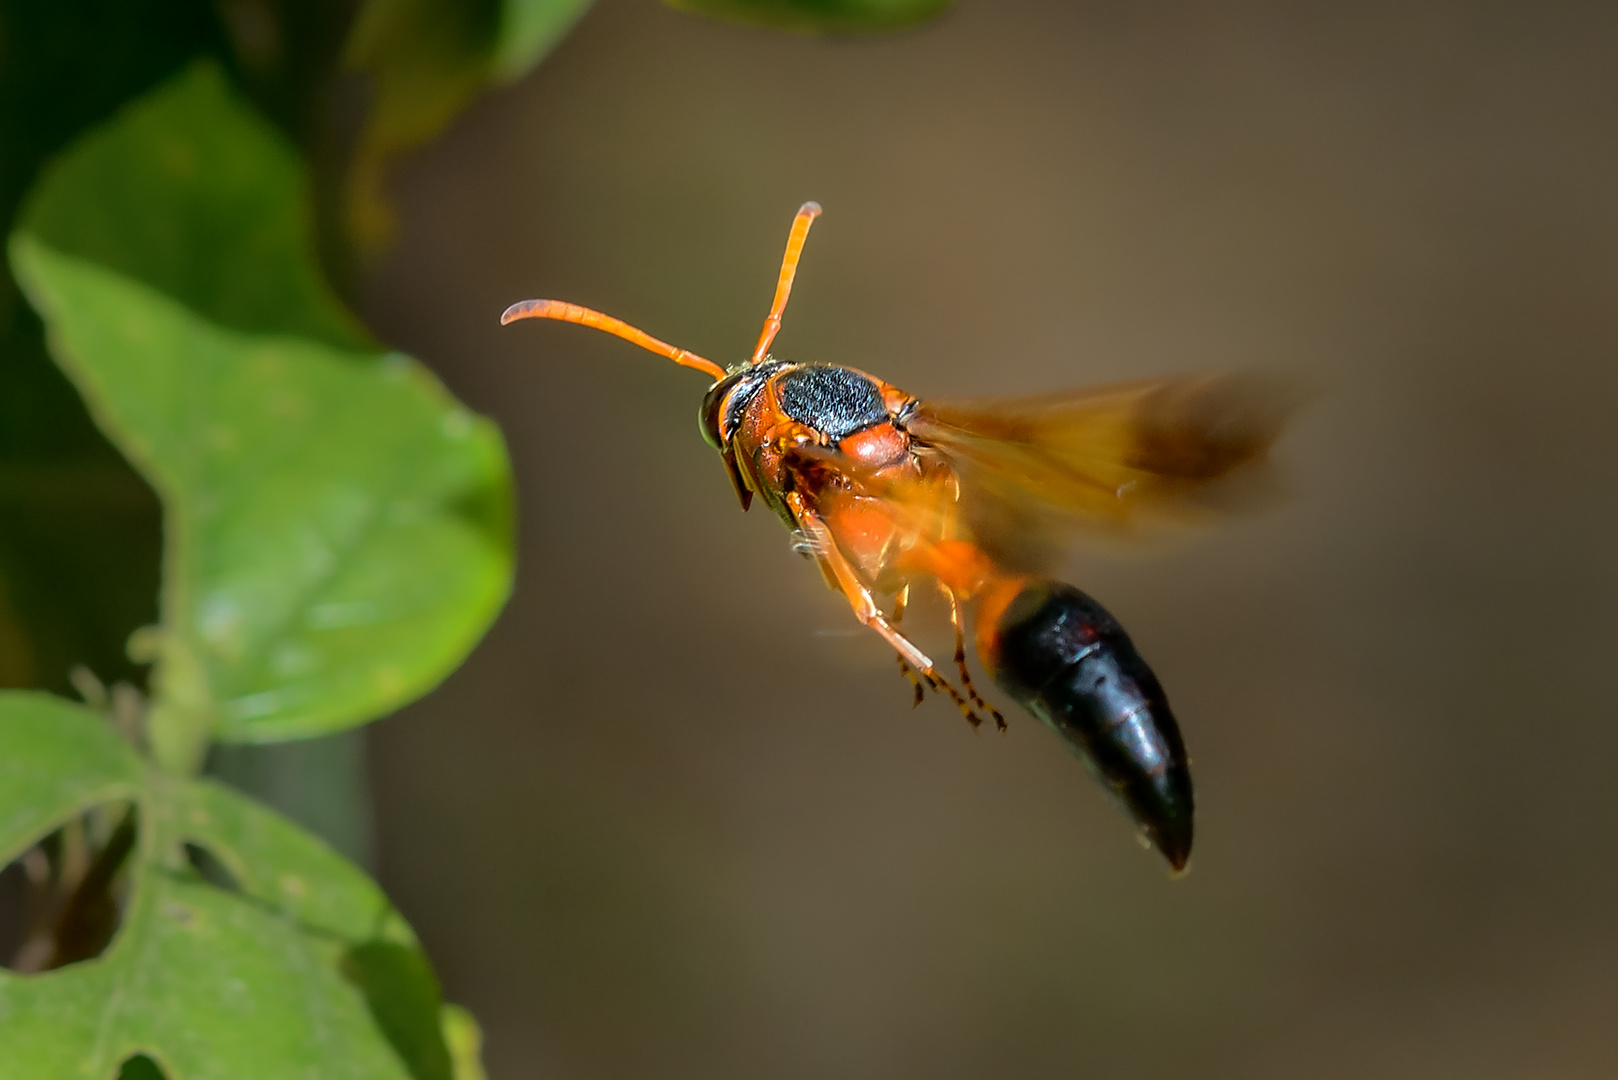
(56, 760)
(292, 964)
(337, 527)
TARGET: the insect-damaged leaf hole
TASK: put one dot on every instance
(210, 869)
(63, 899)
(140, 1067)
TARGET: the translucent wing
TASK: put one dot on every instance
(1111, 458)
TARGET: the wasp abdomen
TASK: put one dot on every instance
(1065, 659)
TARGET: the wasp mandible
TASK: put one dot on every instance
(883, 490)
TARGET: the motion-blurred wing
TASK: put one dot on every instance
(1117, 457)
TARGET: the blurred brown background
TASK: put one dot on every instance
(676, 819)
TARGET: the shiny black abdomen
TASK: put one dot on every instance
(1067, 661)
(835, 401)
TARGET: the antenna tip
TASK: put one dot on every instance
(522, 309)
(811, 208)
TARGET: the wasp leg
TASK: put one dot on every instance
(865, 609)
(938, 682)
(960, 659)
(910, 676)
(905, 669)
(848, 583)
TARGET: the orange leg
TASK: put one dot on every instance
(848, 583)
(960, 659)
(783, 285)
(905, 669)
(865, 609)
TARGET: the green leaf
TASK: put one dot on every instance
(529, 29)
(276, 978)
(465, 1041)
(56, 759)
(819, 16)
(79, 531)
(281, 866)
(402, 994)
(189, 192)
(424, 60)
(320, 783)
(337, 526)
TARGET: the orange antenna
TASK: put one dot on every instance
(789, 269)
(573, 313)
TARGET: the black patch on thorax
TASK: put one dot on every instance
(832, 400)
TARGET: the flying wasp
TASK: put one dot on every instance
(883, 490)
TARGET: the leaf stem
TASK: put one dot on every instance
(182, 712)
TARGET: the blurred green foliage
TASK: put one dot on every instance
(351, 85)
(79, 547)
(187, 187)
(819, 16)
(338, 527)
(425, 59)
